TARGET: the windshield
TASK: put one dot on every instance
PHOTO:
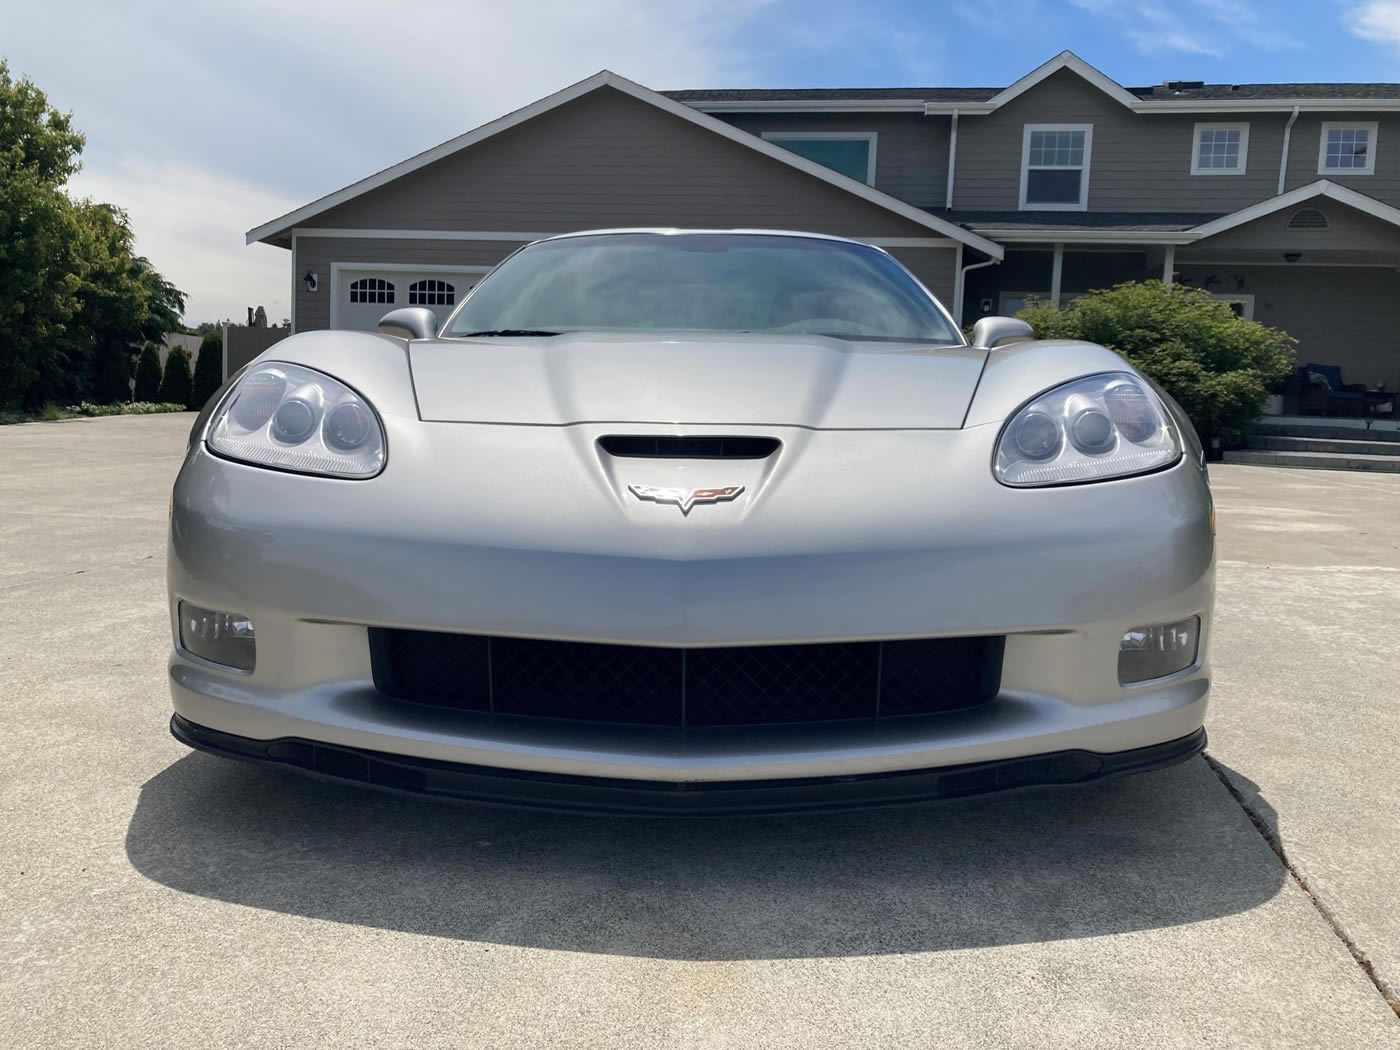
(704, 282)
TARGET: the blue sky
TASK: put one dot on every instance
(204, 120)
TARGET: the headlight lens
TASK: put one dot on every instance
(1106, 426)
(294, 418)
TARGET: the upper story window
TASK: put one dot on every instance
(1220, 149)
(371, 290)
(431, 293)
(1055, 166)
(851, 153)
(1347, 149)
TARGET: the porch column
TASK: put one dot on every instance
(1056, 272)
(1169, 265)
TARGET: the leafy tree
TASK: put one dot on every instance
(148, 374)
(1217, 365)
(75, 300)
(176, 384)
(38, 280)
(208, 369)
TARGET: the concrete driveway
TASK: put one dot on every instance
(154, 897)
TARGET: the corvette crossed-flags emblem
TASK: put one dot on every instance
(684, 498)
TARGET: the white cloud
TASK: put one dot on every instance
(1199, 27)
(204, 120)
(1378, 20)
(189, 222)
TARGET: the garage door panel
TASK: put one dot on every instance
(365, 294)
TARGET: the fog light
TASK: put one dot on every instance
(219, 637)
(1157, 651)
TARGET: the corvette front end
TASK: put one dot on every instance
(701, 573)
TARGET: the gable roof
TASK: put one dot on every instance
(1072, 62)
(1171, 97)
(606, 78)
(1320, 188)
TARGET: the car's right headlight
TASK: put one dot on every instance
(1093, 429)
(293, 418)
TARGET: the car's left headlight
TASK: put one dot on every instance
(293, 418)
(1093, 429)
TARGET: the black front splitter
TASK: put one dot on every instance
(714, 798)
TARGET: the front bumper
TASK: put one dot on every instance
(446, 541)
(646, 797)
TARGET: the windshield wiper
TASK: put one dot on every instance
(504, 331)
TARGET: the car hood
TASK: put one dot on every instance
(808, 381)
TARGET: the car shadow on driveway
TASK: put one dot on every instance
(1156, 850)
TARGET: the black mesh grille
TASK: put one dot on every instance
(665, 446)
(645, 685)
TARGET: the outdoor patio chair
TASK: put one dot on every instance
(1328, 393)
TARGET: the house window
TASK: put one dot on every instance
(371, 290)
(1220, 149)
(1055, 166)
(431, 293)
(1347, 149)
(851, 153)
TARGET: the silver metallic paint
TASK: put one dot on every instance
(518, 524)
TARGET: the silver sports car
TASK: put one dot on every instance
(708, 521)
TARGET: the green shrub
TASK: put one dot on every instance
(148, 374)
(1217, 365)
(208, 369)
(177, 382)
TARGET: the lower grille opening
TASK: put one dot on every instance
(648, 685)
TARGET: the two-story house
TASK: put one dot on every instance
(1277, 197)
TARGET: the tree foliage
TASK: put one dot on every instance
(177, 382)
(147, 374)
(75, 300)
(208, 369)
(1217, 365)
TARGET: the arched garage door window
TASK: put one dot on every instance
(431, 293)
(371, 290)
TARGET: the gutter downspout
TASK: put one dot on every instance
(952, 158)
(1283, 161)
(962, 284)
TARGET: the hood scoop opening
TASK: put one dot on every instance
(668, 446)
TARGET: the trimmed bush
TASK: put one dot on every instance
(177, 383)
(148, 374)
(208, 369)
(1217, 365)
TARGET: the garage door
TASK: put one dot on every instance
(363, 296)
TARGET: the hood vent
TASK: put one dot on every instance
(666, 446)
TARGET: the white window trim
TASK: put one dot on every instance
(1245, 299)
(871, 137)
(1196, 169)
(1083, 204)
(1370, 169)
(426, 269)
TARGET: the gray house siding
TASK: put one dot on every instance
(911, 150)
(935, 267)
(1339, 315)
(1140, 161)
(1384, 185)
(317, 253)
(1348, 230)
(607, 159)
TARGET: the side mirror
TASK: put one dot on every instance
(409, 322)
(991, 332)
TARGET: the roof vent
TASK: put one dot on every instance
(1183, 85)
(1307, 219)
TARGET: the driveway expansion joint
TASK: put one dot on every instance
(1270, 836)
